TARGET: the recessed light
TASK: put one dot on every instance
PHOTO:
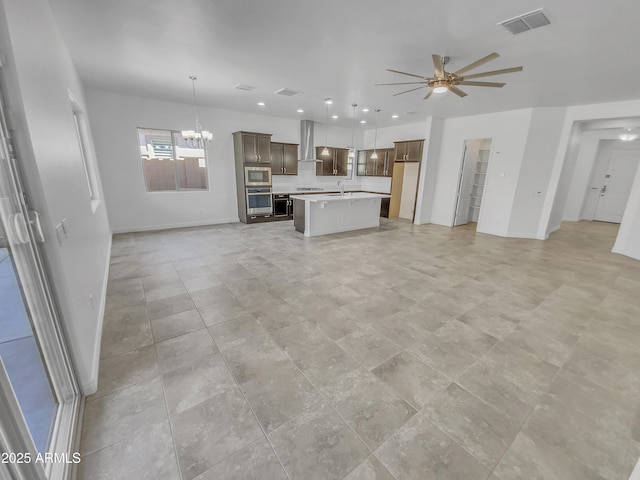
(334, 116)
(365, 110)
(300, 110)
(363, 121)
(261, 104)
(394, 116)
(243, 86)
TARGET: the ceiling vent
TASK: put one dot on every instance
(287, 92)
(246, 88)
(528, 21)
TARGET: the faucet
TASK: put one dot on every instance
(341, 185)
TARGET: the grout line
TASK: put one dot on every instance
(166, 406)
(264, 432)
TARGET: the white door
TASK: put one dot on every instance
(465, 183)
(39, 395)
(616, 185)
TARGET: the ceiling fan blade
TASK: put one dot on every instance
(481, 84)
(493, 72)
(400, 83)
(439, 66)
(428, 95)
(407, 91)
(457, 91)
(477, 63)
(405, 73)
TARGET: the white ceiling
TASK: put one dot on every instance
(340, 49)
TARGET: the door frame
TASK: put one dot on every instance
(29, 266)
(606, 148)
(463, 164)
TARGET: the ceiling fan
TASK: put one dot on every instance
(443, 81)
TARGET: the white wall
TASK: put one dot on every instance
(429, 170)
(116, 117)
(535, 171)
(39, 75)
(508, 131)
(628, 239)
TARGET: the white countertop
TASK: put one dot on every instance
(293, 191)
(337, 197)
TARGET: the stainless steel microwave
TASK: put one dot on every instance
(257, 176)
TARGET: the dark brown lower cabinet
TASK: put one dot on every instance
(384, 207)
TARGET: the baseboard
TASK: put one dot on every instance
(556, 228)
(91, 386)
(169, 226)
(620, 251)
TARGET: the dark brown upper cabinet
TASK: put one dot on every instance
(377, 167)
(284, 158)
(256, 147)
(410, 151)
(336, 163)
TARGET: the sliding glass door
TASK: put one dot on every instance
(39, 396)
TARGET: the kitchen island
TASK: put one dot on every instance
(319, 214)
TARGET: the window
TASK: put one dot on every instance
(170, 163)
(86, 151)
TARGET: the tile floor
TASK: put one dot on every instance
(404, 352)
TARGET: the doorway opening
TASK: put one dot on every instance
(472, 181)
(597, 179)
(612, 177)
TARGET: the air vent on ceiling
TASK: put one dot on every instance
(242, 86)
(528, 21)
(287, 92)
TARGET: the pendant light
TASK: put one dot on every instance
(197, 138)
(325, 150)
(374, 155)
(352, 150)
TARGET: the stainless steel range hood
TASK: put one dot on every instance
(307, 148)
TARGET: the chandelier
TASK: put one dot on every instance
(197, 138)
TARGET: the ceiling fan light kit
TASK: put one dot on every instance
(443, 81)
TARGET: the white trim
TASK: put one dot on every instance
(91, 386)
(621, 251)
(65, 438)
(14, 434)
(170, 226)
